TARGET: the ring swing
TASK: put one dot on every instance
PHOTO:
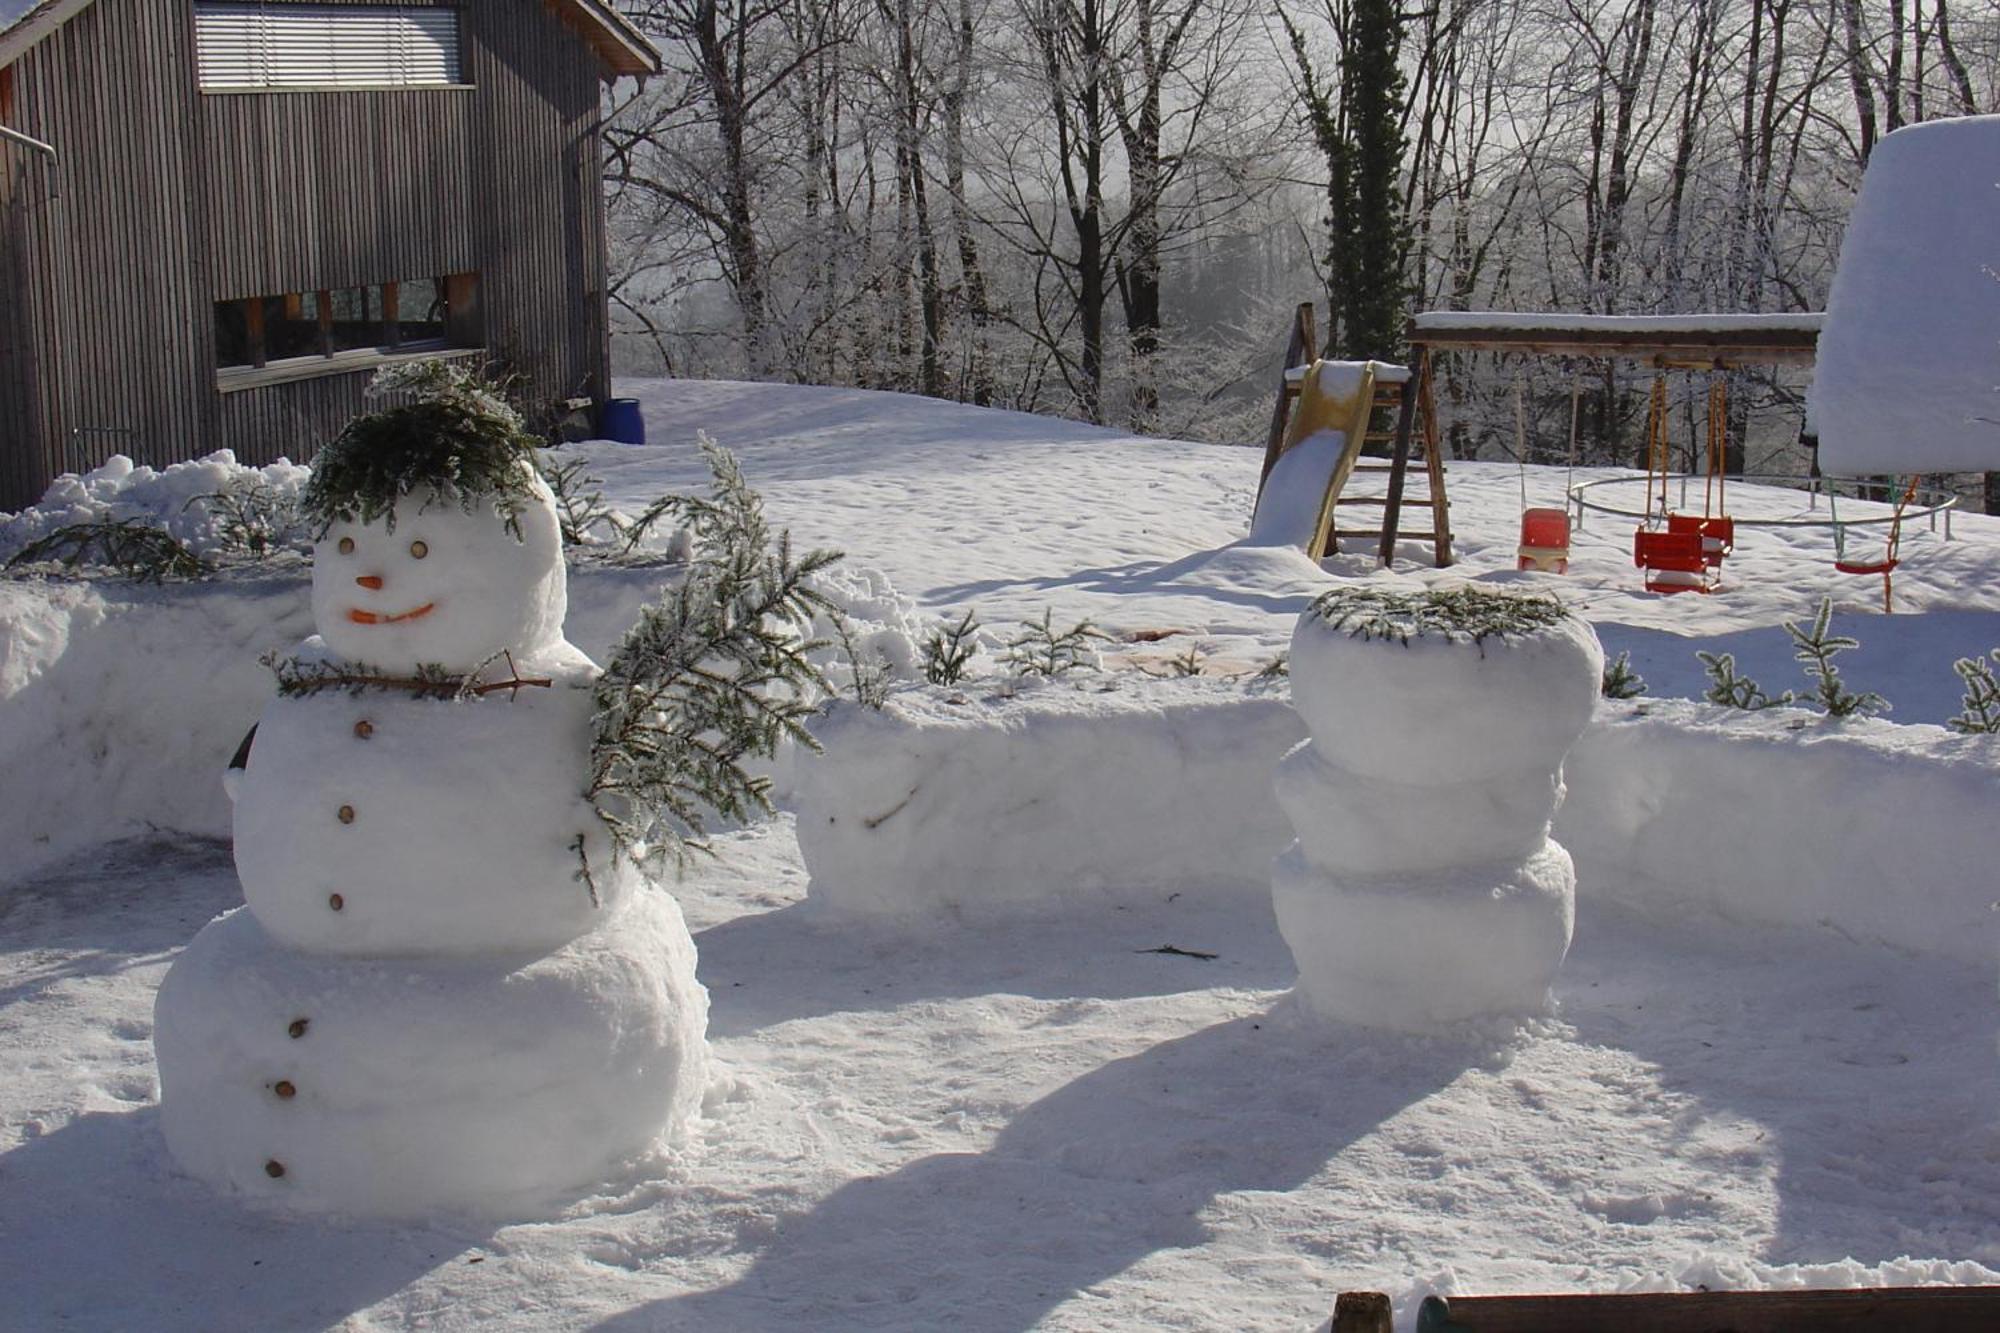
(1544, 531)
(1687, 555)
(1885, 564)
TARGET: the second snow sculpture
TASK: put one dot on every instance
(445, 992)
(1424, 888)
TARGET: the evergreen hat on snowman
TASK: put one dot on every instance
(436, 542)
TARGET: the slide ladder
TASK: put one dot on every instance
(1387, 415)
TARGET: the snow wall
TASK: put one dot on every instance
(1907, 362)
(120, 704)
(1083, 785)
(930, 808)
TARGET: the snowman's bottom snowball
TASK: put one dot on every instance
(1419, 953)
(493, 1087)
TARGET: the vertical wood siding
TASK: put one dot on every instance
(108, 263)
(171, 200)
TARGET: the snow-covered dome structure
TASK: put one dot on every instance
(1908, 376)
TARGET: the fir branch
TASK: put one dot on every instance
(1040, 651)
(131, 547)
(1726, 687)
(715, 673)
(949, 649)
(1815, 649)
(1467, 614)
(1621, 681)
(1981, 713)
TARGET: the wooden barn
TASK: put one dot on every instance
(218, 219)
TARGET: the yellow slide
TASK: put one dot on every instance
(1334, 396)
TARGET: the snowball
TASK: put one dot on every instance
(1419, 953)
(1907, 361)
(1357, 824)
(490, 1086)
(444, 825)
(1441, 709)
(444, 587)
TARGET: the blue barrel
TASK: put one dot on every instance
(623, 421)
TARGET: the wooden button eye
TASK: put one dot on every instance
(274, 1169)
(284, 1089)
(345, 814)
(336, 902)
(418, 550)
(364, 728)
(298, 1028)
(345, 546)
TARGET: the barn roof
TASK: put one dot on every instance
(621, 47)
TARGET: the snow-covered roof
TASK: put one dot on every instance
(1910, 359)
(12, 10)
(1555, 322)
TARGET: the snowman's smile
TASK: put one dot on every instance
(360, 617)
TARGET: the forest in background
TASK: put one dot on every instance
(1108, 209)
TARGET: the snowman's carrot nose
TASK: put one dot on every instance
(369, 581)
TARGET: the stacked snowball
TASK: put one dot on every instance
(423, 1008)
(1424, 888)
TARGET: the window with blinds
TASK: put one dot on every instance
(279, 44)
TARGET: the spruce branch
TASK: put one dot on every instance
(1726, 687)
(1621, 681)
(297, 679)
(1815, 649)
(131, 547)
(1039, 650)
(949, 649)
(715, 673)
(1981, 713)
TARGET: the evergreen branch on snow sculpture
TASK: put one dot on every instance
(1731, 690)
(712, 675)
(1815, 650)
(1981, 713)
(1620, 680)
(297, 679)
(1469, 614)
(130, 546)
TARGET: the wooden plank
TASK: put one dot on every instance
(1866, 1310)
(1719, 348)
(1399, 462)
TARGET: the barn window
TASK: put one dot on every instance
(269, 339)
(286, 44)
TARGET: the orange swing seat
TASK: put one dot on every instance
(1544, 541)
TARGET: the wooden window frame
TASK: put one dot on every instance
(463, 336)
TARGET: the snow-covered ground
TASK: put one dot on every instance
(1038, 1119)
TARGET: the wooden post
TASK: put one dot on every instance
(1399, 458)
(1301, 350)
(1362, 1312)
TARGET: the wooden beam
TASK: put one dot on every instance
(1301, 349)
(1865, 1310)
(1719, 348)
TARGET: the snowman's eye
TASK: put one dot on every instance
(418, 550)
(345, 546)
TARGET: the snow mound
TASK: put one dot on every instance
(409, 1088)
(177, 498)
(1908, 361)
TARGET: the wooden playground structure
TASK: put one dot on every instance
(1676, 551)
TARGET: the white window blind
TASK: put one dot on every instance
(277, 44)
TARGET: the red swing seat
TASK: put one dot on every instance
(1673, 561)
(1718, 535)
(1544, 541)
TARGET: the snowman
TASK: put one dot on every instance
(446, 992)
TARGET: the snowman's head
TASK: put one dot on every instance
(437, 542)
